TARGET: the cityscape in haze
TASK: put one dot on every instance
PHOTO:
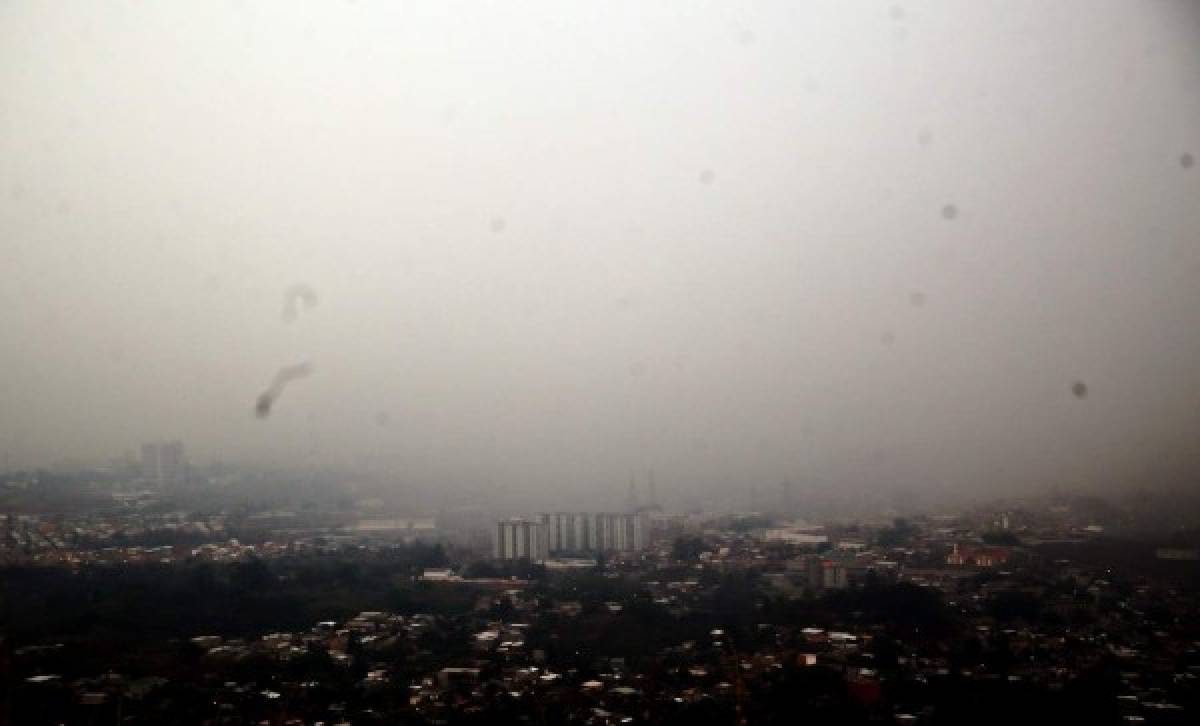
(599, 363)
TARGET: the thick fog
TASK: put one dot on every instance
(920, 248)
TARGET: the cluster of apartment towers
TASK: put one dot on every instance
(576, 533)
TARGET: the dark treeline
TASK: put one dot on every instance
(136, 620)
(126, 605)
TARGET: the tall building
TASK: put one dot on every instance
(579, 533)
(520, 539)
(652, 505)
(567, 531)
(825, 574)
(787, 501)
(164, 464)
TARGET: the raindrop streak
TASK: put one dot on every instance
(287, 374)
(1079, 389)
(295, 297)
(1187, 161)
(949, 212)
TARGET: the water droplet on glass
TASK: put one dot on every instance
(296, 298)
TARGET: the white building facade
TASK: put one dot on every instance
(520, 539)
(577, 532)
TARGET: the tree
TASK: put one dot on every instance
(1001, 537)
(687, 548)
(481, 569)
(251, 575)
(899, 534)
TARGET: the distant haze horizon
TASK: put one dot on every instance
(886, 251)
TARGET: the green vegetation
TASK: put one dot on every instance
(687, 548)
(120, 606)
(898, 535)
(1001, 537)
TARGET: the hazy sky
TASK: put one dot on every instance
(848, 243)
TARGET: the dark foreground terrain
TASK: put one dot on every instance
(710, 628)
